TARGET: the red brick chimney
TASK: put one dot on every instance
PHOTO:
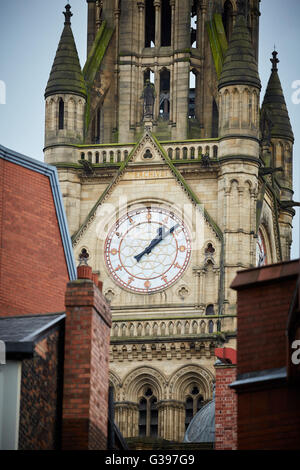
(87, 337)
(225, 400)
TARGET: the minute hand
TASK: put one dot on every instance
(155, 242)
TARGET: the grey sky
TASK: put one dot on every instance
(30, 31)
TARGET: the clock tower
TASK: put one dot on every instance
(172, 179)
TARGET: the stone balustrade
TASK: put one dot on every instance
(178, 327)
(177, 151)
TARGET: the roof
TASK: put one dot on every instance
(66, 75)
(20, 333)
(51, 173)
(202, 426)
(270, 272)
(275, 105)
(240, 66)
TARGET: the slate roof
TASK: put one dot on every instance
(275, 105)
(20, 333)
(66, 74)
(240, 66)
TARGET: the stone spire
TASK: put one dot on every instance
(240, 66)
(66, 75)
(274, 104)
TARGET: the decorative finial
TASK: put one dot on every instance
(275, 61)
(241, 7)
(68, 14)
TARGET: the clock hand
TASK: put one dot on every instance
(161, 235)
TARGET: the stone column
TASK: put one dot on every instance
(127, 418)
(171, 420)
(157, 23)
(172, 3)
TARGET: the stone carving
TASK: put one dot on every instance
(148, 95)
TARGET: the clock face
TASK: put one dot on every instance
(147, 250)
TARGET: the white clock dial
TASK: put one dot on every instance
(147, 250)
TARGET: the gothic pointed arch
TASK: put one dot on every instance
(135, 382)
(116, 383)
(187, 376)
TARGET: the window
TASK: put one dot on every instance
(215, 120)
(164, 97)
(194, 26)
(148, 414)
(210, 310)
(193, 403)
(149, 24)
(228, 19)
(192, 93)
(166, 20)
(61, 114)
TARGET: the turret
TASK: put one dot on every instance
(65, 94)
(239, 90)
(277, 136)
(277, 131)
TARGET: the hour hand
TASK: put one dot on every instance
(161, 235)
(154, 242)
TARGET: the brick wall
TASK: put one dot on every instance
(85, 403)
(269, 419)
(33, 269)
(268, 411)
(262, 316)
(225, 408)
(40, 409)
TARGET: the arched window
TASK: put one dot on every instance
(164, 97)
(170, 153)
(149, 23)
(193, 403)
(215, 151)
(215, 120)
(228, 19)
(98, 126)
(210, 326)
(210, 310)
(97, 157)
(148, 414)
(192, 94)
(61, 114)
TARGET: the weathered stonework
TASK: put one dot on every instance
(200, 156)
